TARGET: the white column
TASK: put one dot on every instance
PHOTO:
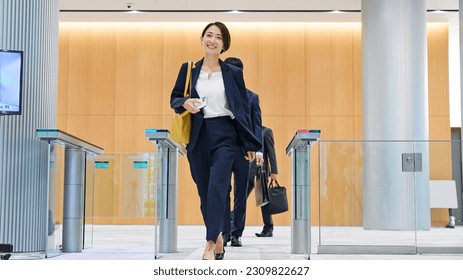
(30, 26)
(395, 107)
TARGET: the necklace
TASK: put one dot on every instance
(209, 75)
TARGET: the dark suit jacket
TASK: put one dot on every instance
(237, 98)
(270, 157)
(256, 114)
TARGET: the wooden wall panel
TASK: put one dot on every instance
(318, 69)
(293, 88)
(357, 68)
(271, 67)
(358, 133)
(61, 122)
(116, 80)
(244, 46)
(438, 81)
(129, 132)
(98, 130)
(77, 68)
(342, 70)
(138, 76)
(91, 66)
(439, 111)
(101, 56)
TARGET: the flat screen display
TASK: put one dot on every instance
(10, 82)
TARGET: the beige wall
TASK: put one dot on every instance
(115, 80)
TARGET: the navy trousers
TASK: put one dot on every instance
(211, 163)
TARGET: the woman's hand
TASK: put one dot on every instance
(250, 156)
(190, 105)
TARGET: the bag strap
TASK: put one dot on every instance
(187, 90)
(272, 183)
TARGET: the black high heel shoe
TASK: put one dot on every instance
(220, 256)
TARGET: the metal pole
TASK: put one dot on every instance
(300, 224)
(168, 201)
(73, 200)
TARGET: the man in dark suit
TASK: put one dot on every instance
(271, 169)
(233, 227)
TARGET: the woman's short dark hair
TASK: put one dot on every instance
(226, 38)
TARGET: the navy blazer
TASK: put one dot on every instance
(256, 115)
(237, 99)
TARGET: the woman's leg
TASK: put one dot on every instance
(211, 164)
(223, 146)
(200, 162)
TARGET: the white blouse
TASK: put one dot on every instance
(213, 89)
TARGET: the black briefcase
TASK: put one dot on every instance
(278, 199)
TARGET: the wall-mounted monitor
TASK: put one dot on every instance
(11, 62)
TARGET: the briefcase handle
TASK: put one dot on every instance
(272, 183)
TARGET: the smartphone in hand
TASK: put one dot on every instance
(202, 104)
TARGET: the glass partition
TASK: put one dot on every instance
(374, 197)
(89, 191)
(442, 196)
(55, 200)
(124, 186)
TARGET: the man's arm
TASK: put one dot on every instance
(269, 143)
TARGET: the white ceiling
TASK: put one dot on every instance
(211, 10)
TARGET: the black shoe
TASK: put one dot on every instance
(265, 233)
(220, 256)
(236, 241)
(226, 239)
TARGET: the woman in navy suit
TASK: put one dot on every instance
(220, 129)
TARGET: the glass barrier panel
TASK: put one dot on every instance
(56, 190)
(123, 192)
(366, 202)
(442, 197)
(89, 191)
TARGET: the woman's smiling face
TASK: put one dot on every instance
(212, 40)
